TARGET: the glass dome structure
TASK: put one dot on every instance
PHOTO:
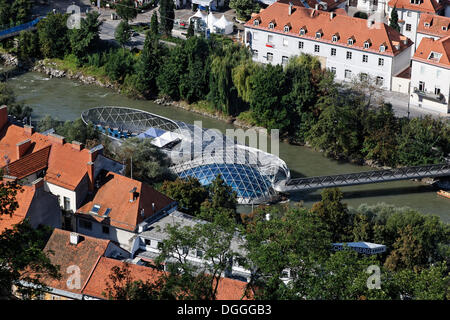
(201, 153)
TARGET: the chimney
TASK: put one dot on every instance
(38, 184)
(370, 22)
(90, 172)
(290, 8)
(54, 138)
(132, 194)
(74, 238)
(94, 152)
(22, 147)
(77, 145)
(28, 130)
(3, 116)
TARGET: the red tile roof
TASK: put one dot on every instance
(430, 6)
(435, 25)
(346, 26)
(330, 4)
(66, 165)
(440, 46)
(228, 289)
(114, 193)
(29, 164)
(84, 255)
(24, 198)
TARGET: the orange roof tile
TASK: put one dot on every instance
(84, 255)
(330, 4)
(29, 164)
(24, 199)
(428, 46)
(438, 26)
(346, 26)
(114, 193)
(431, 6)
(228, 289)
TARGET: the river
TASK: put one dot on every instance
(66, 99)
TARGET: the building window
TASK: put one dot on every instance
(333, 70)
(333, 51)
(408, 13)
(147, 242)
(348, 74)
(199, 253)
(255, 54)
(254, 35)
(379, 81)
(316, 48)
(269, 38)
(66, 203)
(84, 224)
(350, 41)
(349, 55)
(185, 250)
(285, 42)
(256, 22)
(302, 32)
(300, 44)
(408, 27)
(380, 61)
(363, 76)
(437, 90)
(365, 58)
(382, 48)
(318, 35)
(284, 60)
(334, 38)
(286, 28)
(271, 25)
(422, 86)
(105, 229)
(269, 56)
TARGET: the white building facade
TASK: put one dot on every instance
(430, 75)
(368, 50)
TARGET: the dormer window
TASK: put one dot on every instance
(287, 28)
(426, 24)
(444, 28)
(302, 31)
(350, 41)
(367, 44)
(335, 37)
(434, 56)
(271, 25)
(382, 48)
(318, 34)
(256, 22)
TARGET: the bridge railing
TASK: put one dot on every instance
(367, 177)
(22, 27)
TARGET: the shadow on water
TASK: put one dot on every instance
(314, 195)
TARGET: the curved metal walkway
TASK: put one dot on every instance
(14, 31)
(366, 177)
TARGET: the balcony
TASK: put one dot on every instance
(430, 96)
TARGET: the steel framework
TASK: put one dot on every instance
(341, 180)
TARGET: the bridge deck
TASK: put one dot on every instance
(366, 177)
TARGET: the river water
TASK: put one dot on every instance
(66, 99)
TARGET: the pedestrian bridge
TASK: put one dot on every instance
(14, 31)
(366, 177)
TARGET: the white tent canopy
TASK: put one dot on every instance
(165, 139)
(211, 20)
(199, 14)
(223, 26)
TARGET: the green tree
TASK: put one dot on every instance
(189, 194)
(53, 35)
(120, 63)
(190, 31)
(334, 214)
(8, 98)
(126, 9)
(244, 8)
(149, 163)
(85, 39)
(172, 69)
(154, 25)
(393, 21)
(241, 75)
(123, 33)
(28, 46)
(148, 65)
(423, 141)
(267, 101)
(167, 16)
